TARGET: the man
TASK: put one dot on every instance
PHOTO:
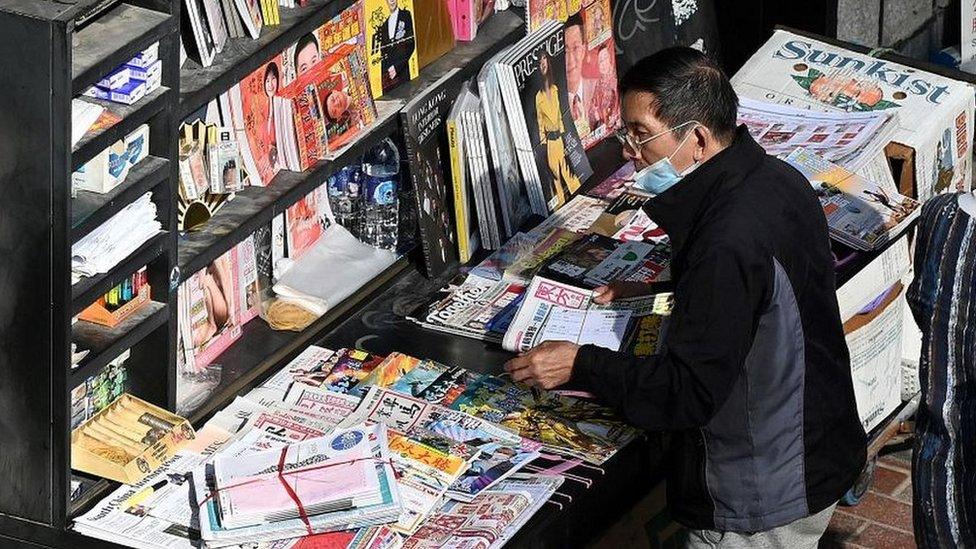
(396, 44)
(575, 84)
(754, 379)
(307, 54)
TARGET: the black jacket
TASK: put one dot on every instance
(754, 378)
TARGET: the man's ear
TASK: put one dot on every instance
(703, 140)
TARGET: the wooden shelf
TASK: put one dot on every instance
(256, 206)
(242, 56)
(91, 209)
(88, 289)
(133, 116)
(112, 39)
(261, 351)
(106, 344)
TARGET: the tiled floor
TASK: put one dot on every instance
(883, 518)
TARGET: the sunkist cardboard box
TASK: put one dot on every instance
(933, 144)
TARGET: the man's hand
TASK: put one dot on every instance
(548, 365)
(391, 72)
(619, 290)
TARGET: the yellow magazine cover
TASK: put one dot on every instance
(391, 45)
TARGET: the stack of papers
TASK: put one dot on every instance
(861, 214)
(120, 236)
(337, 482)
(83, 117)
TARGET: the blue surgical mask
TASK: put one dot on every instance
(662, 175)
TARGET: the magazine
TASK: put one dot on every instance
(465, 215)
(554, 311)
(391, 44)
(551, 155)
(517, 204)
(860, 213)
(306, 221)
(423, 120)
(620, 181)
(935, 113)
(257, 91)
(597, 260)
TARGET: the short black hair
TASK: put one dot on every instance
(302, 42)
(272, 69)
(686, 85)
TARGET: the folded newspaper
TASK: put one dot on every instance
(851, 139)
(860, 213)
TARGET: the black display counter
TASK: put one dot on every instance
(580, 513)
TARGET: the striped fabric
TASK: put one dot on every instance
(942, 299)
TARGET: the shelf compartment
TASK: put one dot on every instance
(242, 56)
(88, 289)
(501, 30)
(96, 489)
(132, 117)
(261, 350)
(256, 206)
(107, 343)
(91, 209)
(112, 39)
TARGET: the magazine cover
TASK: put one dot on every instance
(213, 311)
(516, 203)
(256, 92)
(423, 121)
(306, 220)
(935, 113)
(543, 117)
(249, 293)
(860, 213)
(464, 214)
(599, 113)
(202, 49)
(391, 44)
(615, 185)
(250, 11)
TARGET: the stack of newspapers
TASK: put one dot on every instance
(337, 482)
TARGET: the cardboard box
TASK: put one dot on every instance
(933, 143)
(177, 432)
(874, 338)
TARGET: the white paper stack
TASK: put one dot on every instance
(103, 248)
(343, 480)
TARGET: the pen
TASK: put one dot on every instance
(142, 495)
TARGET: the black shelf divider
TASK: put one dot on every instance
(241, 56)
(112, 39)
(261, 350)
(91, 209)
(106, 344)
(87, 290)
(256, 206)
(132, 117)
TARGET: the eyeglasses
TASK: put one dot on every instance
(628, 140)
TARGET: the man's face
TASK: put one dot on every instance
(575, 53)
(392, 4)
(307, 58)
(636, 114)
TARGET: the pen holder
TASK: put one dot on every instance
(128, 440)
(98, 313)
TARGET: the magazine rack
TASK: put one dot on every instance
(48, 58)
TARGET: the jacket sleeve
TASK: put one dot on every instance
(718, 303)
